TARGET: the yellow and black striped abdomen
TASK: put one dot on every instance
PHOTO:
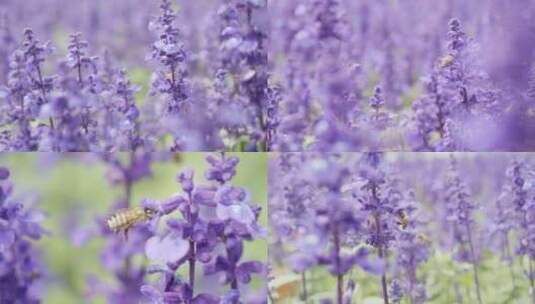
(124, 219)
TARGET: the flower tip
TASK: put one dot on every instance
(4, 173)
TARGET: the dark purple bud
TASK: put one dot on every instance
(186, 180)
(4, 173)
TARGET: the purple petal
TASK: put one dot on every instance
(166, 250)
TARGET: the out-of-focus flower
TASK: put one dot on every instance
(21, 270)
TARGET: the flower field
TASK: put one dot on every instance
(402, 228)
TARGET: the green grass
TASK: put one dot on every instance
(443, 275)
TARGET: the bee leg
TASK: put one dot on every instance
(126, 234)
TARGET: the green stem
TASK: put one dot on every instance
(531, 279)
(474, 264)
(304, 293)
(339, 277)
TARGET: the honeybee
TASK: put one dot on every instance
(423, 238)
(124, 219)
(403, 219)
(446, 61)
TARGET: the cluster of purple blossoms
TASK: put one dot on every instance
(86, 103)
(169, 52)
(87, 106)
(8, 41)
(459, 100)
(413, 251)
(241, 76)
(206, 230)
(522, 213)
(327, 64)
(21, 271)
(459, 211)
(380, 196)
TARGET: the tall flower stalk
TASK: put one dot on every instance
(503, 227)
(35, 55)
(170, 55)
(460, 214)
(412, 247)
(379, 199)
(524, 213)
(214, 222)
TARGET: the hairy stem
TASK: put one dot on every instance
(304, 293)
(531, 279)
(43, 92)
(383, 279)
(79, 68)
(128, 199)
(510, 263)
(458, 295)
(474, 264)
(339, 277)
(270, 296)
(192, 253)
(411, 285)
(440, 116)
(380, 246)
(234, 284)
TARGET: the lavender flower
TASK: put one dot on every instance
(8, 45)
(460, 214)
(35, 55)
(413, 250)
(20, 269)
(524, 211)
(26, 93)
(378, 118)
(128, 112)
(272, 116)
(243, 58)
(215, 221)
(168, 51)
(77, 58)
(502, 228)
(380, 199)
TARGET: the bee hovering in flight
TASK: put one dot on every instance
(446, 61)
(124, 219)
(403, 219)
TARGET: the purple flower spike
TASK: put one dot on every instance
(207, 226)
(21, 271)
